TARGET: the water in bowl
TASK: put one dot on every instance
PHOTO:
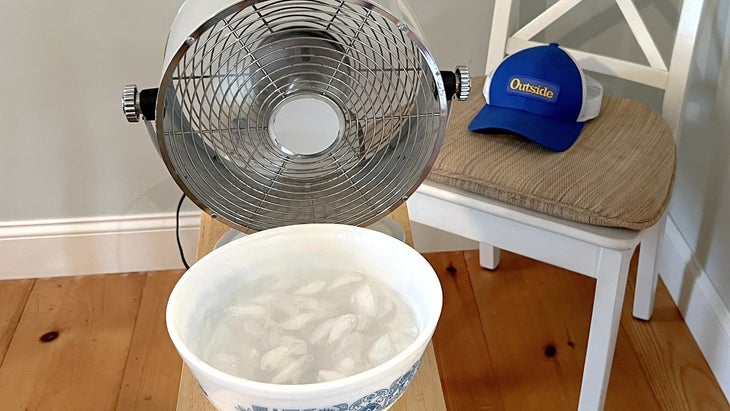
(285, 329)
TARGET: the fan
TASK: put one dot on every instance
(280, 112)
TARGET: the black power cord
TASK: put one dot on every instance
(177, 232)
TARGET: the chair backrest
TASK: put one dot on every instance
(671, 78)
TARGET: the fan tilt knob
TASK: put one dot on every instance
(138, 104)
(463, 82)
(130, 103)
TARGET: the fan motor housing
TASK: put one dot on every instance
(272, 113)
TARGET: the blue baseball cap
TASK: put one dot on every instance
(539, 93)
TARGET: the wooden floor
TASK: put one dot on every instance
(513, 339)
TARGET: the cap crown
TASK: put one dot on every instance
(541, 80)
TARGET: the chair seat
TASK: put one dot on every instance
(619, 173)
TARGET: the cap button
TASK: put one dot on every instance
(554, 44)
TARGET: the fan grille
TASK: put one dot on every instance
(222, 89)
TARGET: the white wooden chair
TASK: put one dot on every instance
(446, 200)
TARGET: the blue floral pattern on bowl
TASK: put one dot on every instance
(375, 401)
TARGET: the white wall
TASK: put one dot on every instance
(456, 31)
(67, 150)
(696, 267)
(701, 199)
(77, 181)
(75, 177)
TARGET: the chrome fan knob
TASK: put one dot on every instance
(130, 103)
(463, 82)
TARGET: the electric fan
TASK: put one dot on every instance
(281, 112)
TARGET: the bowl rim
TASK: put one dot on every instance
(416, 347)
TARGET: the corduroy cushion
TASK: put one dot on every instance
(619, 173)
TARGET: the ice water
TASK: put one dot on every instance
(289, 329)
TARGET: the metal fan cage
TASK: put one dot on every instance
(225, 83)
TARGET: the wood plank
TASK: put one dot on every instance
(538, 347)
(668, 357)
(211, 231)
(544, 355)
(535, 320)
(150, 381)
(462, 351)
(13, 296)
(190, 397)
(400, 215)
(81, 366)
(424, 393)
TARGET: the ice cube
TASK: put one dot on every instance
(226, 362)
(289, 306)
(298, 321)
(329, 375)
(286, 307)
(342, 326)
(266, 299)
(344, 279)
(311, 288)
(381, 350)
(248, 310)
(351, 346)
(364, 300)
(250, 357)
(346, 365)
(218, 340)
(253, 329)
(272, 331)
(308, 304)
(403, 322)
(321, 331)
(365, 322)
(292, 373)
(385, 308)
(284, 283)
(295, 345)
(403, 338)
(275, 359)
(326, 306)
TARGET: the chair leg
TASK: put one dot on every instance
(613, 269)
(488, 256)
(647, 273)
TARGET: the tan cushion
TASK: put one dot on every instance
(619, 173)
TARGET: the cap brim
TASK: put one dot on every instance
(555, 135)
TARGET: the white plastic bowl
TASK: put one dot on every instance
(298, 249)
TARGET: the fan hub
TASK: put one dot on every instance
(306, 125)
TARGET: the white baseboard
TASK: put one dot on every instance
(705, 313)
(430, 240)
(51, 248)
